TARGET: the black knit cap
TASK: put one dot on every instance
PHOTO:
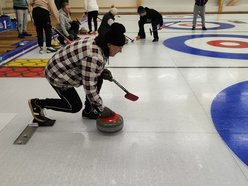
(141, 10)
(116, 35)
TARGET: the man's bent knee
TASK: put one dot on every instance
(76, 108)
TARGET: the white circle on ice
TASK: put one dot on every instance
(202, 43)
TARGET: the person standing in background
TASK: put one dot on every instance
(199, 9)
(91, 8)
(42, 21)
(21, 10)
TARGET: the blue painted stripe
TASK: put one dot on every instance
(220, 26)
(229, 111)
(178, 44)
(17, 50)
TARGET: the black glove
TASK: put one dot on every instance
(70, 37)
(106, 74)
(106, 113)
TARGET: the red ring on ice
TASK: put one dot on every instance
(223, 43)
(189, 25)
(174, 16)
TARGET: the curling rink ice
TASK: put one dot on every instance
(188, 128)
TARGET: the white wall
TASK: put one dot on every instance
(165, 5)
(187, 5)
(6, 4)
(177, 5)
(77, 5)
(242, 5)
(160, 5)
(105, 3)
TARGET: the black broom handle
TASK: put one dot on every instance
(117, 83)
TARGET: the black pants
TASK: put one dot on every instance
(74, 27)
(42, 22)
(93, 15)
(72, 31)
(69, 100)
(142, 31)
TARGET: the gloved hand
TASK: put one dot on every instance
(106, 74)
(107, 112)
(77, 22)
(70, 37)
(160, 27)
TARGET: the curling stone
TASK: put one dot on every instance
(111, 124)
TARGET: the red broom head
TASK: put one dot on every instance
(131, 97)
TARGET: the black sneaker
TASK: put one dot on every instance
(36, 110)
(26, 34)
(61, 40)
(204, 28)
(193, 28)
(51, 49)
(93, 114)
(155, 40)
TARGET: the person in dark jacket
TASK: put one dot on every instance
(21, 10)
(199, 9)
(152, 16)
(107, 20)
(80, 64)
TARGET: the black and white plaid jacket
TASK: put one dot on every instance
(78, 64)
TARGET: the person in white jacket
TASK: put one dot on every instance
(91, 8)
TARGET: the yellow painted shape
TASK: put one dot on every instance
(27, 63)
